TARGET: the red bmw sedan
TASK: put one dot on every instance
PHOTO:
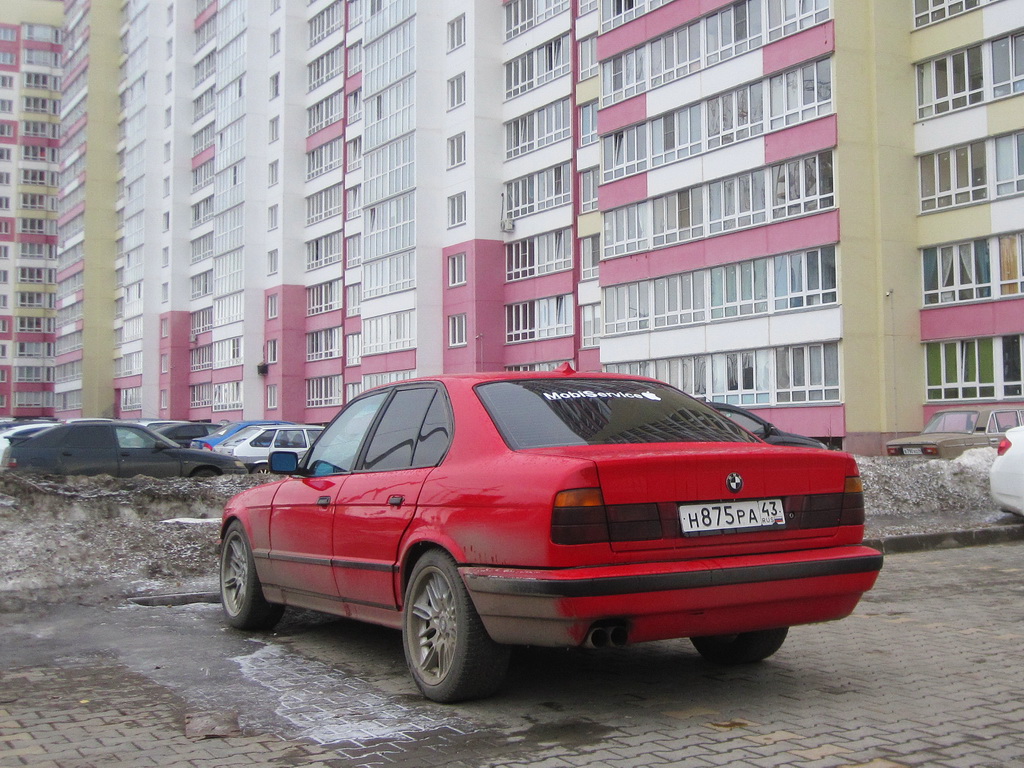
(478, 512)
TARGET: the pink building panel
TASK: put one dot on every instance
(818, 421)
(482, 299)
(773, 239)
(207, 14)
(289, 330)
(539, 287)
(354, 82)
(324, 135)
(389, 361)
(802, 139)
(176, 346)
(530, 352)
(204, 156)
(631, 189)
(620, 115)
(69, 215)
(589, 360)
(803, 46)
(966, 321)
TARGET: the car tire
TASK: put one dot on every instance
(260, 469)
(449, 653)
(241, 594)
(743, 648)
(204, 472)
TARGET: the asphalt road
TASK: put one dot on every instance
(928, 672)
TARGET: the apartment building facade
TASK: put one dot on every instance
(811, 206)
(30, 75)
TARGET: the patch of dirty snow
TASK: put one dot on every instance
(92, 538)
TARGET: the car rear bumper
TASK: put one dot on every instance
(658, 601)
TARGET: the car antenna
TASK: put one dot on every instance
(565, 369)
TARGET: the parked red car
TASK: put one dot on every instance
(482, 511)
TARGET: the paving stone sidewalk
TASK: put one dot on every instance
(926, 673)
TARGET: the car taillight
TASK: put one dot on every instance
(853, 502)
(580, 516)
(930, 450)
(893, 450)
(1004, 446)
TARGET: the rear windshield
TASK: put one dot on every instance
(539, 413)
(952, 421)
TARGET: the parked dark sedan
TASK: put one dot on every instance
(764, 429)
(115, 448)
(184, 432)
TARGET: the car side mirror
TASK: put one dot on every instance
(283, 462)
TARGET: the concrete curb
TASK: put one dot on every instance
(922, 542)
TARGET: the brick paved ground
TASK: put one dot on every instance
(928, 672)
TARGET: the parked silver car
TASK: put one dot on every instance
(253, 445)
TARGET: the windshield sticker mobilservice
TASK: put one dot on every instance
(589, 393)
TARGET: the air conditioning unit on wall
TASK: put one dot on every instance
(507, 225)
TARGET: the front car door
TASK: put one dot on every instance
(302, 518)
(379, 497)
(141, 453)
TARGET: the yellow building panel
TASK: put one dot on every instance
(1005, 115)
(588, 90)
(954, 225)
(937, 39)
(589, 224)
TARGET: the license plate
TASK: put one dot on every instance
(730, 516)
(911, 451)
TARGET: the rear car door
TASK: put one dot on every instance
(378, 500)
(302, 518)
(141, 453)
(88, 449)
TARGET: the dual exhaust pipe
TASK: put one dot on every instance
(607, 635)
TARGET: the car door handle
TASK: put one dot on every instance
(396, 500)
(323, 501)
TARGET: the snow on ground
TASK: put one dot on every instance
(90, 538)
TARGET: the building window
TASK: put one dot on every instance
(802, 185)
(456, 269)
(539, 191)
(539, 128)
(590, 332)
(950, 82)
(271, 397)
(272, 306)
(457, 330)
(930, 11)
(1008, 65)
(968, 369)
(590, 257)
(588, 189)
(457, 210)
(457, 150)
(272, 217)
(457, 91)
(272, 262)
(539, 319)
(1010, 164)
(537, 67)
(588, 58)
(457, 32)
(539, 255)
(953, 177)
(588, 123)
(957, 272)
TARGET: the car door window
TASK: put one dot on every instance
(89, 436)
(1003, 420)
(127, 437)
(410, 433)
(264, 439)
(338, 446)
(290, 438)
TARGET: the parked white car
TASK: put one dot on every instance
(15, 430)
(1006, 478)
(253, 445)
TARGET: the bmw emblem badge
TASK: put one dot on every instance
(735, 482)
